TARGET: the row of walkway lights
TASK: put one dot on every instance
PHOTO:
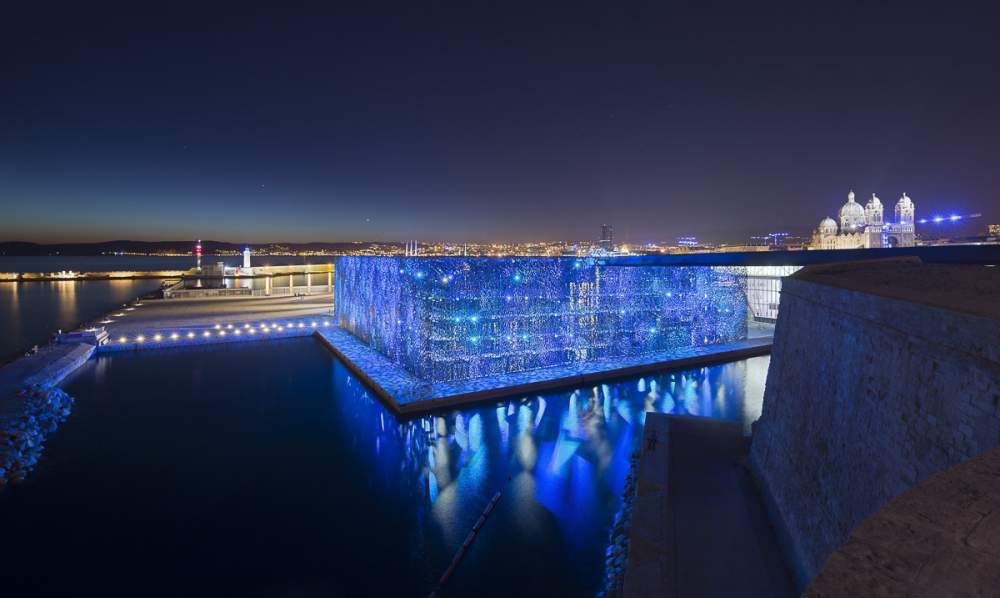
(230, 329)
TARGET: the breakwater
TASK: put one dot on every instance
(22, 435)
(31, 407)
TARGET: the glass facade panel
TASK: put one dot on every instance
(445, 319)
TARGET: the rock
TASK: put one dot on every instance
(22, 435)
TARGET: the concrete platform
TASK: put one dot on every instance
(174, 323)
(162, 314)
(699, 527)
(214, 334)
(406, 394)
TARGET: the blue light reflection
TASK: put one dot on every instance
(560, 460)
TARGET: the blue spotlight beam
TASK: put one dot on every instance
(948, 218)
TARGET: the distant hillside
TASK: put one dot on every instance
(21, 248)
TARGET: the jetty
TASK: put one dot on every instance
(31, 407)
(137, 326)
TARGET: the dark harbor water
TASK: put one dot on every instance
(266, 469)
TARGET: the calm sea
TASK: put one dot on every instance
(266, 469)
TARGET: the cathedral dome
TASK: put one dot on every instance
(873, 211)
(904, 210)
(852, 215)
(828, 226)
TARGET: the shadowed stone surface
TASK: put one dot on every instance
(883, 373)
(941, 538)
(695, 507)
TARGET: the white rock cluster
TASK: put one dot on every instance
(616, 555)
(22, 435)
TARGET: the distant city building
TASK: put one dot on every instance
(779, 241)
(993, 230)
(687, 241)
(607, 237)
(864, 226)
(769, 240)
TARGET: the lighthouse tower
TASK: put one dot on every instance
(246, 258)
(197, 255)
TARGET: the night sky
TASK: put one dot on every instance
(485, 121)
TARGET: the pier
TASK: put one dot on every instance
(223, 319)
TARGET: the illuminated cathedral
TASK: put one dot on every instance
(864, 227)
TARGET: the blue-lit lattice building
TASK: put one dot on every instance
(447, 319)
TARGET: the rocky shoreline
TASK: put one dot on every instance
(616, 555)
(22, 436)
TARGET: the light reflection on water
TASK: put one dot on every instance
(560, 458)
(267, 469)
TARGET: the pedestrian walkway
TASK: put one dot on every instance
(699, 528)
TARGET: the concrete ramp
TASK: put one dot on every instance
(699, 528)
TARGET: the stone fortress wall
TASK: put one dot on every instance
(882, 374)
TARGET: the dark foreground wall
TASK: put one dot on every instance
(880, 376)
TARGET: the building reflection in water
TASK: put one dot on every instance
(560, 458)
